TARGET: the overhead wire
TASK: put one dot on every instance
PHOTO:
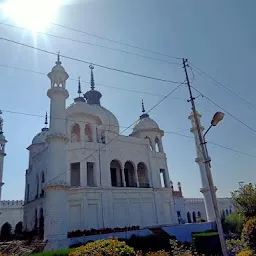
(88, 82)
(221, 85)
(91, 44)
(115, 41)
(91, 63)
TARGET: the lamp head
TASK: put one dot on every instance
(218, 116)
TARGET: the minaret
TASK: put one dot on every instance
(79, 98)
(2, 153)
(205, 190)
(56, 186)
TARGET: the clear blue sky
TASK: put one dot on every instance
(217, 36)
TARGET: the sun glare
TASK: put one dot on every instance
(31, 14)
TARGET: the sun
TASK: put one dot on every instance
(35, 15)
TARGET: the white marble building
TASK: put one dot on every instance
(84, 174)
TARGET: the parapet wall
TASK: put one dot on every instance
(11, 204)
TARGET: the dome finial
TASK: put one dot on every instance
(92, 77)
(79, 87)
(46, 120)
(1, 123)
(143, 108)
(58, 62)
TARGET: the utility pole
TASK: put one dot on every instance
(207, 164)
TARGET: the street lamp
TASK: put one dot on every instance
(215, 120)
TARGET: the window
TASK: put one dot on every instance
(179, 217)
(90, 174)
(142, 175)
(116, 173)
(75, 175)
(199, 214)
(189, 217)
(75, 133)
(129, 173)
(88, 133)
(164, 178)
(150, 143)
(194, 216)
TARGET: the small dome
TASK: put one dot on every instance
(58, 68)
(105, 116)
(145, 123)
(40, 137)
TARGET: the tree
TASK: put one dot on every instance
(244, 200)
(234, 223)
(6, 232)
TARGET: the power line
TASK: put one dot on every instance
(220, 85)
(91, 63)
(87, 82)
(227, 112)
(115, 41)
(104, 145)
(92, 44)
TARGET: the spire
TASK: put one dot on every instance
(79, 86)
(92, 96)
(1, 123)
(79, 98)
(46, 123)
(46, 120)
(58, 62)
(144, 115)
(92, 77)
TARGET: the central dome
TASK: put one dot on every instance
(41, 136)
(145, 123)
(107, 119)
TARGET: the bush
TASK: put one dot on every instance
(180, 249)
(207, 242)
(235, 246)
(249, 233)
(149, 243)
(109, 247)
(246, 253)
(234, 223)
(64, 252)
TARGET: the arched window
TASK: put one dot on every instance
(6, 231)
(37, 186)
(199, 214)
(75, 133)
(157, 145)
(150, 143)
(88, 133)
(194, 216)
(42, 183)
(227, 212)
(230, 210)
(143, 175)
(189, 217)
(116, 173)
(129, 173)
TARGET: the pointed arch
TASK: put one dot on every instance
(227, 212)
(142, 171)
(6, 231)
(189, 217)
(18, 228)
(129, 173)
(150, 143)
(194, 216)
(116, 173)
(199, 214)
(158, 145)
(88, 133)
(42, 183)
(75, 133)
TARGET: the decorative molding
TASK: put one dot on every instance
(57, 136)
(56, 185)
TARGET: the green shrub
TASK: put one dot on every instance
(109, 247)
(64, 252)
(249, 233)
(234, 223)
(207, 242)
(149, 243)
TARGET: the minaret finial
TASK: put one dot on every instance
(143, 108)
(79, 87)
(1, 123)
(46, 120)
(92, 77)
(58, 62)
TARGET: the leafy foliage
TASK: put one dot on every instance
(64, 252)
(109, 247)
(249, 233)
(235, 246)
(245, 200)
(234, 223)
(246, 253)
